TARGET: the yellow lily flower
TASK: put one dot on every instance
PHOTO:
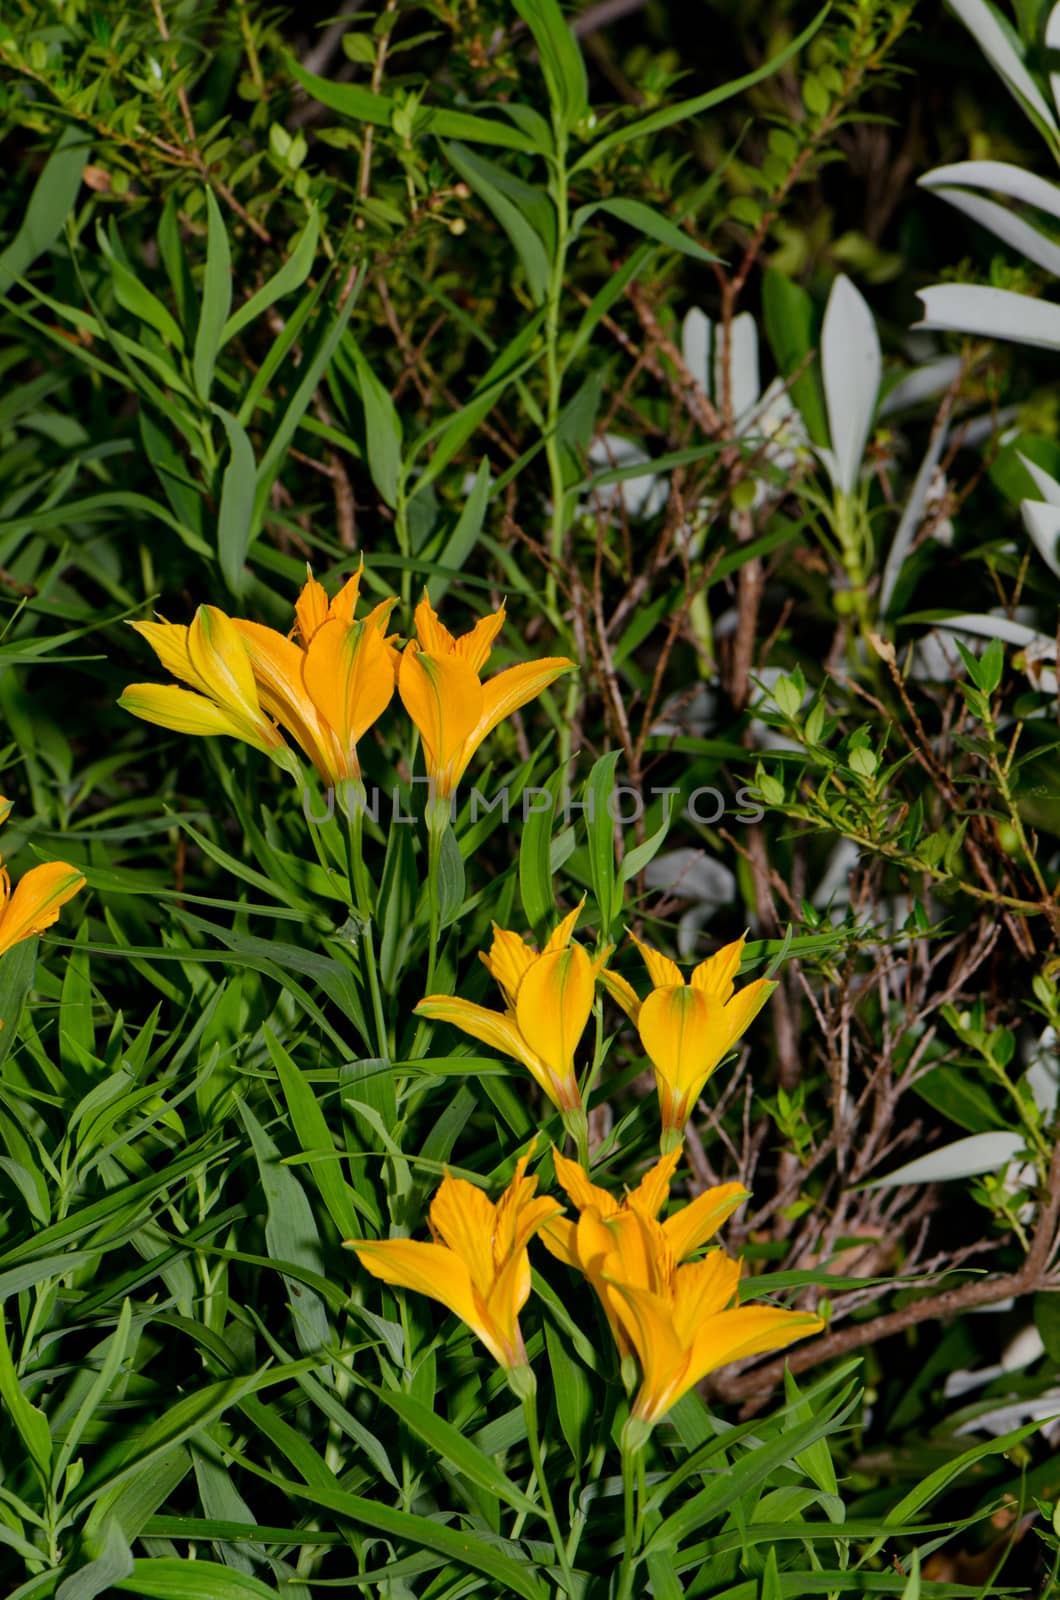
(548, 998)
(209, 655)
(439, 684)
(686, 1029)
(477, 1264)
(34, 905)
(647, 1247)
(686, 1324)
(329, 682)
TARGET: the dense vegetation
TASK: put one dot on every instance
(602, 323)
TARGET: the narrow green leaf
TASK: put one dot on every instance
(16, 980)
(315, 1136)
(463, 538)
(575, 1405)
(535, 846)
(235, 518)
(652, 224)
(30, 1423)
(791, 327)
(290, 277)
(170, 1578)
(382, 427)
(291, 1235)
(684, 109)
(451, 1444)
(313, 369)
(361, 105)
(117, 1345)
(423, 1533)
(114, 1562)
(51, 202)
(216, 298)
(634, 861)
(527, 242)
(600, 826)
(561, 60)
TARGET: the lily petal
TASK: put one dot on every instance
(620, 989)
(700, 1220)
(476, 646)
(505, 693)
(497, 1031)
(36, 901)
(183, 711)
(169, 641)
(583, 1193)
(554, 1004)
(432, 1270)
(715, 975)
(277, 666)
(744, 1006)
(560, 936)
(432, 634)
(444, 698)
(463, 1218)
(508, 961)
(663, 972)
(684, 1034)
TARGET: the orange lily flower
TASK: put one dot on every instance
(477, 1264)
(34, 905)
(686, 1029)
(640, 1238)
(548, 1000)
(439, 684)
(329, 682)
(209, 655)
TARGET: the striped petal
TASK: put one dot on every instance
(349, 676)
(572, 1176)
(463, 1218)
(621, 990)
(277, 666)
(444, 698)
(311, 607)
(703, 1289)
(744, 1006)
(183, 711)
(476, 646)
(36, 902)
(491, 1028)
(508, 961)
(432, 1270)
(560, 936)
(664, 973)
(554, 1004)
(505, 693)
(653, 1190)
(744, 1331)
(433, 635)
(684, 1035)
(700, 1220)
(714, 977)
(218, 655)
(169, 641)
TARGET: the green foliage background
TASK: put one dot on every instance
(276, 288)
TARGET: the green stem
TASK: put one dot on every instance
(625, 1576)
(352, 799)
(554, 383)
(534, 1440)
